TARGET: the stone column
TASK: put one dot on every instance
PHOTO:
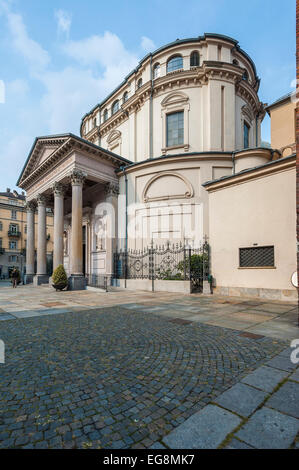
(41, 274)
(30, 242)
(58, 190)
(112, 191)
(77, 280)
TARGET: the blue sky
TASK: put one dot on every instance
(59, 58)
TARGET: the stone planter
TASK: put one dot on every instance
(59, 286)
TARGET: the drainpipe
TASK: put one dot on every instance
(233, 159)
(151, 110)
(126, 216)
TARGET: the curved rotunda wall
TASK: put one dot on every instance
(192, 116)
(166, 199)
(217, 97)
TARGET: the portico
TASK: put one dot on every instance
(77, 181)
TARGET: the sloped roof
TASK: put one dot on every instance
(58, 142)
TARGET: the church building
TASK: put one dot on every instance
(172, 156)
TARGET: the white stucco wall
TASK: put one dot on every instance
(215, 107)
(257, 212)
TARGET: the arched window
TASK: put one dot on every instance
(175, 63)
(194, 59)
(245, 75)
(105, 115)
(115, 107)
(157, 71)
(139, 83)
(125, 96)
(246, 129)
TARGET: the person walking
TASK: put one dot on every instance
(14, 276)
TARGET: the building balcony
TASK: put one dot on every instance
(14, 233)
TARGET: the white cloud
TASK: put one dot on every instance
(93, 67)
(32, 52)
(70, 93)
(147, 44)
(107, 50)
(2, 91)
(19, 88)
(64, 21)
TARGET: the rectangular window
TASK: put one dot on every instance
(246, 135)
(0, 242)
(257, 256)
(25, 229)
(12, 245)
(12, 258)
(14, 214)
(175, 129)
(1, 226)
(13, 228)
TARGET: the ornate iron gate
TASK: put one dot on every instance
(165, 262)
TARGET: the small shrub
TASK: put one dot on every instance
(59, 276)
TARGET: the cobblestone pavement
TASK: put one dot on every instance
(115, 377)
(273, 319)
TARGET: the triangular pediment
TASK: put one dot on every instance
(48, 151)
(41, 150)
(44, 153)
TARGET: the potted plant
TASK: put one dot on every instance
(59, 278)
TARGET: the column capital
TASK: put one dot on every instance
(30, 206)
(41, 200)
(58, 189)
(77, 177)
(111, 189)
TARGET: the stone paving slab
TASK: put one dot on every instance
(282, 363)
(295, 376)
(269, 429)
(279, 330)
(250, 317)
(286, 399)
(203, 430)
(286, 352)
(25, 314)
(6, 317)
(241, 399)
(157, 445)
(236, 444)
(232, 324)
(274, 308)
(265, 378)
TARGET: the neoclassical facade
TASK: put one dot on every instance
(187, 114)
(78, 180)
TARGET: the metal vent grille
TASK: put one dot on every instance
(257, 256)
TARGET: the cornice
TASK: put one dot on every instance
(267, 169)
(200, 156)
(178, 44)
(200, 76)
(55, 142)
(71, 144)
(256, 152)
